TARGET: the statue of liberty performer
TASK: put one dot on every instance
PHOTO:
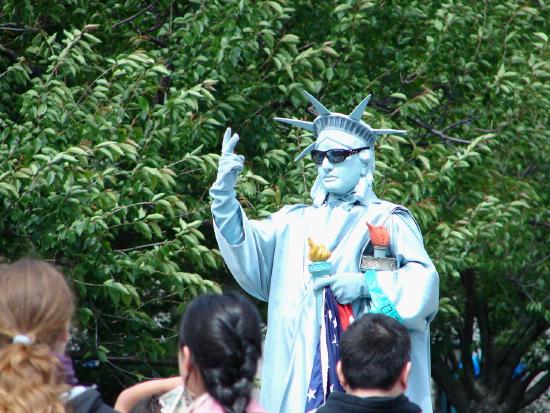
(269, 258)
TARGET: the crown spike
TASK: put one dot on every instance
(299, 123)
(305, 151)
(317, 105)
(357, 113)
(387, 131)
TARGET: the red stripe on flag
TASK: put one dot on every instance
(346, 315)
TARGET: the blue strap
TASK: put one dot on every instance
(381, 303)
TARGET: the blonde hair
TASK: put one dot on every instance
(35, 301)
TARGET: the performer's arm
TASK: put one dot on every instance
(246, 246)
(414, 287)
(225, 207)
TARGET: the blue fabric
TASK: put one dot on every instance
(268, 258)
(379, 301)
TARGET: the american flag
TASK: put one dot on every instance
(324, 380)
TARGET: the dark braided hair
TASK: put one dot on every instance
(223, 335)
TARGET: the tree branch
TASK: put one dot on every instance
(534, 393)
(443, 377)
(524, 381)
(14, 27)
(9, 53)
(524, 342)
(457, 123)
(140, 247)
(511, 356)
(380, 105)
(439, 133)
(482, 315)
(540, 224)
(135, 16)
(467, 278)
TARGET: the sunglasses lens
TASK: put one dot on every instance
(337, 155)
(317, 156)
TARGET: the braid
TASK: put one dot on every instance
(31, 380)
(226, 348)
(231, 384)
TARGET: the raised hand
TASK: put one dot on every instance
(230, 164)
(229, 142)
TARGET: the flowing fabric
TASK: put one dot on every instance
(324, 379)
(268, 258)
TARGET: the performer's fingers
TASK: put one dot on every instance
(226, 139)
(232, 143)
(323, 282)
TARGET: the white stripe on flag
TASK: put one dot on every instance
(324, 348)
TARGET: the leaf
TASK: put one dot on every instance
(143, 104)
(290, 38)
(329, 50)
(276, 6)
(342, 7)
(161, 69)
(155, 217)
(9, 188)
(541, 36)
(116, 286)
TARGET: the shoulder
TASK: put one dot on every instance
(290, 212)
(209, 405)
(293, 209)
(387, 207)
(254, 407)
(396, 214)
(87, 400)
(336, 402)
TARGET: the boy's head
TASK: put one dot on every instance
(375, 354)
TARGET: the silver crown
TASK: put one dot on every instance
(351, 123)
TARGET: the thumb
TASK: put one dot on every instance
(322, 282)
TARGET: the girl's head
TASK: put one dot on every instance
(36, 306)
(220, 343)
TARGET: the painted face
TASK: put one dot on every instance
(340, 178)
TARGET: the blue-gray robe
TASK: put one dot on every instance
(270, 262)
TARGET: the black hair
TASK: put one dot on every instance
(224, 337)
(373, 352)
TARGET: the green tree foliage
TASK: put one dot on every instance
(111, 116)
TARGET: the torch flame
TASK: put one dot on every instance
(317, 252)
(379, 236)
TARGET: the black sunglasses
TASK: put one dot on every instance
(334, 155)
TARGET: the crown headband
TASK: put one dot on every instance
(351, 123)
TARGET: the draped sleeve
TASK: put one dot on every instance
(251, 259)
(414, 287)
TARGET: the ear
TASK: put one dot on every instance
(340, 375)
(404, 375)
(184, 361)
(60, 344)
(365, 156)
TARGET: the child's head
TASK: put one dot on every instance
(220, 340)
(36, 306)
(375, 353)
